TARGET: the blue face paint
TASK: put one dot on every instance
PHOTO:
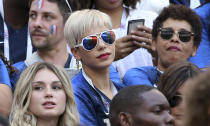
(53, 29)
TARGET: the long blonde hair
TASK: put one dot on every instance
(20, 114)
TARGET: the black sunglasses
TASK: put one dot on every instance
(167, 33)
(175, 100)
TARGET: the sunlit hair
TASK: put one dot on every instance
(83, 21)
(20, 114)
(197, 101)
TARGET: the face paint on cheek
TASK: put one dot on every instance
(53, 29)
(39, 4)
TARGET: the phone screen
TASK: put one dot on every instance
(132, 24)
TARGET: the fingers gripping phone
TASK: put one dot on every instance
(132, 24)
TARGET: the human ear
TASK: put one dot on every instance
(75, 53)
(153, 44)
(194, 50)
(124, 119)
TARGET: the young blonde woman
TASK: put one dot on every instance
(91, 39)
(44, 97)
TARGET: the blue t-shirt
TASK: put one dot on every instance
(92, 109)
(202, 57)
(147, 75)
(17, 41)
(4, 76)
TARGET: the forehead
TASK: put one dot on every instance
(154, 98)
(45, 6)
(45, 75)
(94, 30)
(177, 24)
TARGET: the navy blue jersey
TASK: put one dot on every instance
(17, 42)
(90, 104)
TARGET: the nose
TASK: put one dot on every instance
(169, 120)
(175, 37)
(101, 44)
(37, 22)
(48, 93)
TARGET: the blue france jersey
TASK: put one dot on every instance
(90, 105)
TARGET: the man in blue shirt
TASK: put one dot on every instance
(176, 36)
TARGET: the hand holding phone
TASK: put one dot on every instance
(132, 24)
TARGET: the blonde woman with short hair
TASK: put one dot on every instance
(89, 34)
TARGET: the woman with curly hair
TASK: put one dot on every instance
(44, 97)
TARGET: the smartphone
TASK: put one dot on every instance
(132, 24)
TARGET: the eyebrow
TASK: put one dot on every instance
(42, 82)
(162, 106)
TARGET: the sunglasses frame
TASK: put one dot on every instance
(98, 37)
(175, 32)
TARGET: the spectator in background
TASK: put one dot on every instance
(140, 105)
(91, 39)
(172, 84)
(5, 86)
(176, 36)
(202, 57)
(15, 40)
(197, 101)
(46, 25)
(44, 97)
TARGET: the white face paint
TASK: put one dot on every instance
(39, 4)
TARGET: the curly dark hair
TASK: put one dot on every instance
(7, 63)
(179, 12)
(197, 99)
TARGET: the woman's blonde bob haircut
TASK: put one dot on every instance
(83, 21)
(20, 114)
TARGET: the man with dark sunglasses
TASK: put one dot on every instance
(176, 36)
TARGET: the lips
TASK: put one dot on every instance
(104, 56)
(173, 48)
(49, 104)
